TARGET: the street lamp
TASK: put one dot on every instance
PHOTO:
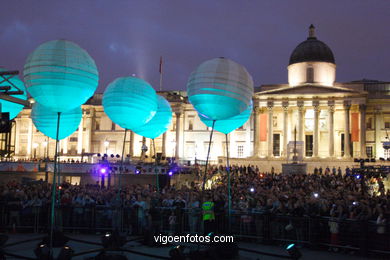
(35, 146)
(106, 144)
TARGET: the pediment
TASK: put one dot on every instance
(309, 90)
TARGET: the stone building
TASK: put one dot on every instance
(333, 122)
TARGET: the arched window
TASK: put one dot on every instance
(310, 74)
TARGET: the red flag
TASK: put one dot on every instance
(161, 62)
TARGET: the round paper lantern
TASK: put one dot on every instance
(45, 120)
(60, 75)
(228, 125)
(220, 88)
(159, 124)
(130, 102)
(6, 106)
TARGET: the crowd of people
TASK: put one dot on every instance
(328, 193)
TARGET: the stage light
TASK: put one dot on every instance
(293, 251)
(103, 170)
(170, 173)
(358, 176)
(252, 189)
(118, 156)
(42, 252)
(177, 253)
(316, 195)
(99, 155)
(114, 240)
(66, 253)
(137, 171)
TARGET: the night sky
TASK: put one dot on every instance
(126, 37)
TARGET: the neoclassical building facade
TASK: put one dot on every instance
(329, 120)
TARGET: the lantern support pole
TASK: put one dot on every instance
(53, 189)
(207, 158)
(155, 166)
(119, 181)
(229, 185)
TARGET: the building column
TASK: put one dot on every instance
(247, 126)
(378, 129)
(331, 128)
(17, 135)
(164, 144)
(362, 108)
(256, 132)
(347, 139)
(80, 137)
(29, 137)
(131, 145)
(316, 136)
(270, 129)
(178, 126)
(301, 120)
(88, 131)
(285, 128)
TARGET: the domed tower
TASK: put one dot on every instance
(312, 62)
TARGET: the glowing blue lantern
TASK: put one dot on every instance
(159, 124)
(60, 75)
(220, 88)
(228, 125)
(6, 106)
(45, 120)
(130, 102)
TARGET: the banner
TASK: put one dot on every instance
(19, 167)
(263, 127)
(355, 127)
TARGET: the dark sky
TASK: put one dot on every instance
(126, 37)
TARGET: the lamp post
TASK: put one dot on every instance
(35, 146)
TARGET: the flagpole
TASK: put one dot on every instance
(161, 70)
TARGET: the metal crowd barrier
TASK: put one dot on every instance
(362, 235)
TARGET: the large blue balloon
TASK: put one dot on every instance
(45, 120)
(228, 125)
(220, 88)
(60, 75)
(12, 108)
(130, 102)
(159, 124)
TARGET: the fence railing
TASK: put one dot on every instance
(362, 235)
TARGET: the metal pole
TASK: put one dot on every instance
(229, 185)
(155, 166)
(121, 167)
(207, 158)
(53, 190)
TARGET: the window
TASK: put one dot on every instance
(387, 122)
(112, 126)
(275, 121)
(73, 139)
(97, 125)
(240, 151)
(276, 145)
(310, 75)
(309, 145)
(369, 123)
(369, 151)
(190, 123)
(387, 153)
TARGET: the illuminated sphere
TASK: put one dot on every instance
(130, 102)
(159, 124)
(220, 88)
(45, 120)
(228, 125)
(12, 108)
(60, 75)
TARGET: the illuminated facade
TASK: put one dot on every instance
(321, 110)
